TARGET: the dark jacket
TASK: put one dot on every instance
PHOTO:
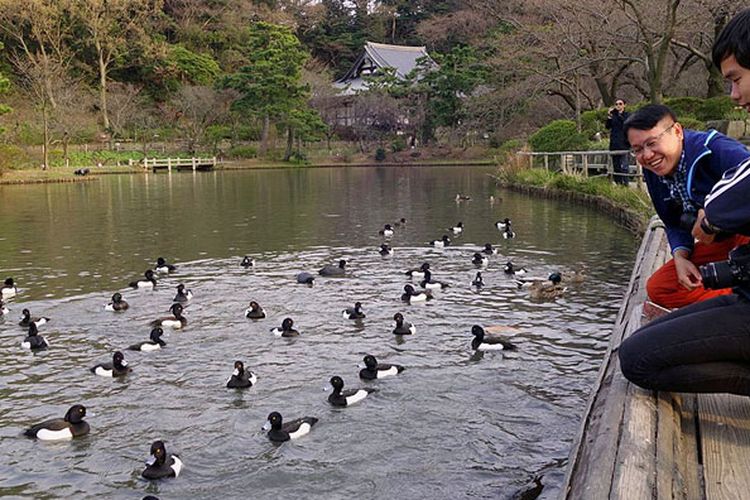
(617, 138)
(727, 205)
(708, 155)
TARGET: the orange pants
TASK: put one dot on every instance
(663, 289)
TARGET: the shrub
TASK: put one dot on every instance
(243, 152)
(398, 145)
(379, 154)
(715, 108)
(593, 121)
(298, 158)
(692, 123)
(559, 135)
(12, 157)
(684, 106)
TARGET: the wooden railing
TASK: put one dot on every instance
(179, 163)
(586, 163)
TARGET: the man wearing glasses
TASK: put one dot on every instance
(616, 117)
(681, 167)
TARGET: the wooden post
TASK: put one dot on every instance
(531, 160)
(195, 163)
(546, 163)
(585, 164)
(169, 165)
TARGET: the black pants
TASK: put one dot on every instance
(620, 167)
(703, 347)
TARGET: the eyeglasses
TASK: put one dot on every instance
(620, 103)
(650, 144)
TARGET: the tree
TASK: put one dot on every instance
(270, 83)
(197, 108)
(4, 87)
(111, 25)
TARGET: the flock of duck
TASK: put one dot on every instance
(160, 464)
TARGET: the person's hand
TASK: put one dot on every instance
(609, 112)
(687, 274)
(698, 232)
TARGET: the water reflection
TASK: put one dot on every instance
(468, 424)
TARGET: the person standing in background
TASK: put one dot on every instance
(616, 117)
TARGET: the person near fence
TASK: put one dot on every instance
(618, 141)
(681, 167)
(704, 347)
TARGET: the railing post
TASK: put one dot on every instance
(546, 163)
(169, 165)
(195, 162)
(585, 164)
(531, 160)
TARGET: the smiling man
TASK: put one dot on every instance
(680, 168)
(731, 54)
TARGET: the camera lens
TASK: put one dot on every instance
(717, 275)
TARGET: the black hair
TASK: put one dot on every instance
(734, 40)
(647, 117)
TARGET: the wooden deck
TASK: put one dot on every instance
(194, 164)
(637, 444)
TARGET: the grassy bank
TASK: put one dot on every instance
(630, 205)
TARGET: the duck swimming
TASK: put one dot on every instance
(183, 295)
(355, 312)
(387, 231)
(410, 295)
(117, 304)
(163, 268)
(304, 278)
(241, 378)
(339, 397)
(503, 224)
(27, 320)
(374, 370)
(478, 281)
(508, 233)
(247, 262)
(331, 270)
(457, 229)
(443, 242)
(34, 341)
(68, 427)
(148, 283)
(402, 327)
(279, 432)
(286, 329)
(419, 272)
(153, 344)
(176, 321)
(8, 290)
(159, 465)
(385, 250)
(489, 249)
(3, 310)
(484, 342)
(513, 270)
(430, 284)
(480, 260)
(117, 368)
(254, 311)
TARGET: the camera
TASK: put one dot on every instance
(732, 272)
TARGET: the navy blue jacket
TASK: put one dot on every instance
(708, 155)
(727, 205)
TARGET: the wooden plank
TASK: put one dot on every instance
(724, 423)
(592, 456)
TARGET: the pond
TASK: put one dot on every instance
(453, 424)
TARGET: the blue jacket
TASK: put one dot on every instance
(727, 205)
(708, 155)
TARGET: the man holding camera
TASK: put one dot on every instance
(616, 117)
(705, 347)
(680, 168)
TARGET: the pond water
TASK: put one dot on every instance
(452, 425)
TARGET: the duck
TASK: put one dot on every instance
(430, 284)
(183, 294)
(484, 342)
(254, 311)
(547, 289)
(410, 295)
(457, 229)
(8, 290)
(331, 270)
(118, 304)
(513, 270)
(461, 197)
(577, 276)
(286, 329)
(401, 222)
(374, 370)
(72, 425)
(402, 327)
(355, 312)
(241, 379)
(478, 281)
(163, 268)
(385, 250)
(148, 283)
(339, 397)
(159, 466)
(304, 278)
(489, 249)
(176, 321)
(153, 344)
(34, 341)
(503, 224)
(27, 320)
(278, 431)
(480, 260)
(3, 310)
(508, 233)
(387, 231)
(247, 262)
(117, 368)
(443, 242)
(419, 272)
